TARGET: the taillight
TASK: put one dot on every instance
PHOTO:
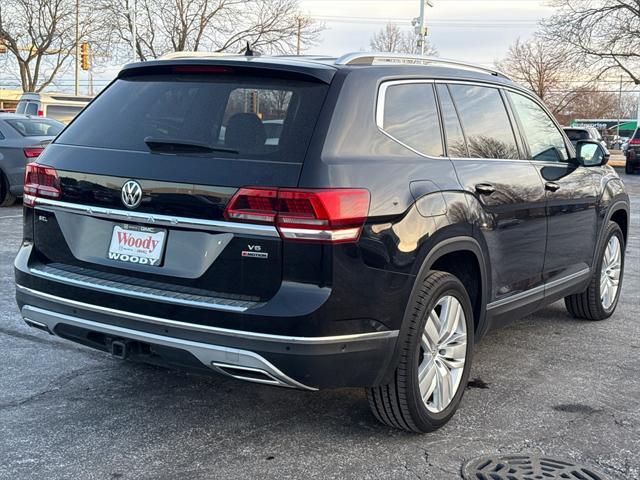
(40, 181)
(635, 141)
(33, 152)
(331, 215)
(40, 113)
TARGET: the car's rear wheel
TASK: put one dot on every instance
(600, 299)
(6, 197)
(435, 359)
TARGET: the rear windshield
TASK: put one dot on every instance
(32, 127)
(577, 134)
(27, 108)
(636, 135)
(236, 116)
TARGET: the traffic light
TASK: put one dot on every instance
(84, 55)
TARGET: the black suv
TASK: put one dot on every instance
(402, 207)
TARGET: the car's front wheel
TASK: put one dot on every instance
(435, 358)
(600, 299)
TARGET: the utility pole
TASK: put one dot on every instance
(420, 24)
(134, 29)
(77, 89)
(299, 35)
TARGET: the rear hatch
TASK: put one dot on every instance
(146, 171)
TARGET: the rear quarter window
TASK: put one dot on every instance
(410, 116)
(225, 112)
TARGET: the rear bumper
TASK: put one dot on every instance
(300, 362)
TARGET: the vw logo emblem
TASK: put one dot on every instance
(131, 194)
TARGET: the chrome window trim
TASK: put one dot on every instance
(541, 288)
(208, 329)
(155, 219)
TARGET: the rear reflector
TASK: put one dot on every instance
(33, 152)
(331, 215)
(40, 181)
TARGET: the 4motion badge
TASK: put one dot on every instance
(255, 251)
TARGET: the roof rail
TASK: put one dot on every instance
(376, 58)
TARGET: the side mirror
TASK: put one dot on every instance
(591, 153)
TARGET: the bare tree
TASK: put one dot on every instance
(270, 26)
(605, 32)
(393, 39)
(548, 70)
(39, 36)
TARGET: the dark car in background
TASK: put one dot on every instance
(22, 139)
(404, 207)
(632, 153)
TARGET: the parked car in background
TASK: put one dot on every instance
(632, 153)
(583, 133)
(22, 138)
(59, 106)
(407, 206)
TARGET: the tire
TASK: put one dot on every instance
(399, 404)
(591, 304)
(6, 197)
(628, 168)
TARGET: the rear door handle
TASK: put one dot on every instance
(552, 186)
(485, 188)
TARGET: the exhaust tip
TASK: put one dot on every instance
(249, 374)
(38, 325)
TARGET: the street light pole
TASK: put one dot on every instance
(421, 24)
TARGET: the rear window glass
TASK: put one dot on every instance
(636, 135)
(235, 116)
(30, 127)
(411, 117)
(27, 108)
(575, 135)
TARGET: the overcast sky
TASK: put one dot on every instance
(473, 30)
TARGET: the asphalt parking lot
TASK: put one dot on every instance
(546, 384)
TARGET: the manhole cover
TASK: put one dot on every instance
(526, 467)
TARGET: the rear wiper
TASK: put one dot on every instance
(175, 145)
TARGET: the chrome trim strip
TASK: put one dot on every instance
(208, 329)
(134, 294)
(156, 219)
(538, 289)
(207, 354)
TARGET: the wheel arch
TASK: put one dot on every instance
(443, 254)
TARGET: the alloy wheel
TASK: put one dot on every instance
(443, 349)
(610, 272)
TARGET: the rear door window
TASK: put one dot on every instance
(456, 144)
(227, 113)
(485, 122)
(410, 116)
